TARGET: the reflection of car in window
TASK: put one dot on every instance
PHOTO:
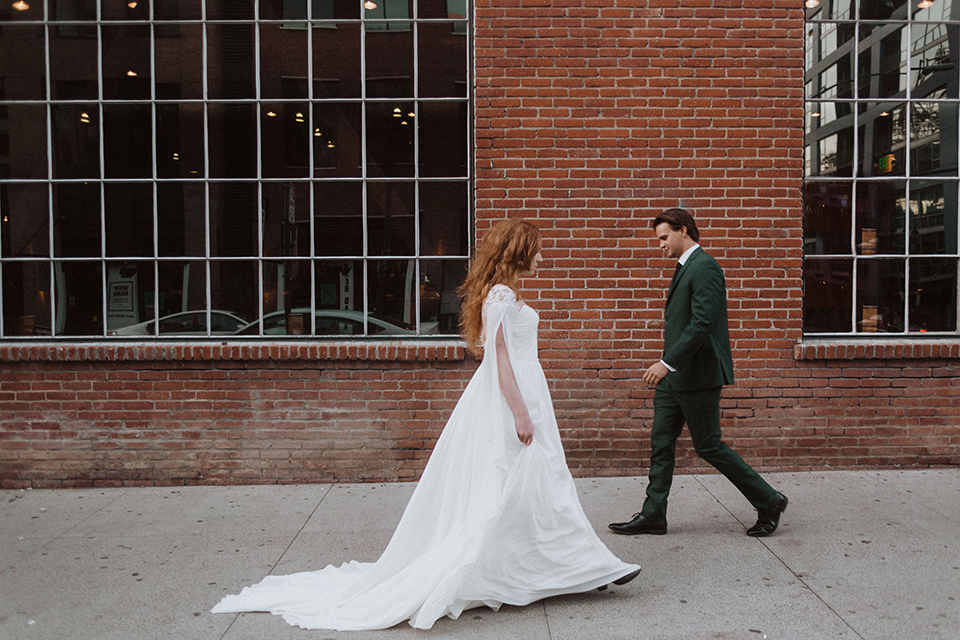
(329, 322)
(185, 323)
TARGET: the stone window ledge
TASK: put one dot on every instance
(891, 349)
(448, 350)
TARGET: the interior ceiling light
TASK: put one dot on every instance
(271, 114)
(412, 114)
(317, 133)
(299, 117)
(20, 5)
(132, 73)
(369, 5)
(810, 4)
(132, 5)
(925, 4)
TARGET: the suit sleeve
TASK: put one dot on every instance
(708, 296)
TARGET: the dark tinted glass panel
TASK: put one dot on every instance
(933, 217)
(439, 302)
(12, 12)
(25, 215)
(25, 128)
(389, 60)
(128, 213)
(443, 139)
(76, 140)
(286, 219)
(179, 62)
(882, 9)
(80, 312)
(442, 61)
(234, 287)
(126, 62)
(76, 219)
(230, 9)
(391, 289)
(933, 139)
(230, 61)
(338, 225)
(883, 132)
(887, 44)
(234, 211)
(390, 218)
(117, 10)
(880, 295)
(173, 10)
(181, 219)
(827, 218)
(130, 297)
(827, 295)
(339, 286)
(830, 147)
(285, 140)
(881, 217)
(336, 139)
(26, 299)
(456, 9)
(283, 56)
(73, 64)
(127, 141)
(390, 139)
(933, 294)
(180, 140)
(232, 131)
(444, 219)
(22, 57)
(286, 294)
(336, 60)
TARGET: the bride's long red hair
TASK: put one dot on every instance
(506, 251)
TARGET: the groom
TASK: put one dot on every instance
(696, 363)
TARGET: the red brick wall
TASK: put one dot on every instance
(591, 117)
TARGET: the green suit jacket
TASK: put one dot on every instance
(696, 340)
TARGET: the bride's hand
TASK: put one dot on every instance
(525, 429)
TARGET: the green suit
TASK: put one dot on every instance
(697, 345)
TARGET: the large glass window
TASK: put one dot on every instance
(882, 88)
(254, 168)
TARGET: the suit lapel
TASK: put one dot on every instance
(682, 273)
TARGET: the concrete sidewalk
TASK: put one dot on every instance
(862, 554)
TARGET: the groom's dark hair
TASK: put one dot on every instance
(678, 218)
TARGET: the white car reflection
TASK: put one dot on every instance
(330, 322)
(185, 323)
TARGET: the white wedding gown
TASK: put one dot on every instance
(491, 521)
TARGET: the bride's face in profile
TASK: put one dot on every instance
(532, 269)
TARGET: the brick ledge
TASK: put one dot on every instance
(152, 351)
(876, 350)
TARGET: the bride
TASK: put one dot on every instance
(495, 518)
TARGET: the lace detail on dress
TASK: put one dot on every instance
(500, 293)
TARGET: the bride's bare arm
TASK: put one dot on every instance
(508, 385)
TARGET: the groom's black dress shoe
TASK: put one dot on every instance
(639, 525)
(768, 519)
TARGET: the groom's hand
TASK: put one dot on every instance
(655, 373)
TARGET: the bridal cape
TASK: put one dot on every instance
(491, 521)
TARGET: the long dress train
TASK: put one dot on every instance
(491, 521)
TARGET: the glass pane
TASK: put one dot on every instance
(881, 217)
(829, 148)
(390, 218)
(932, 73)
(76, 141)
(234, 211)
(230, 63)
(285, 140)
(286, 224)
(25, 128)
(338, 287)
(832, 10)
(882, 9)
(827, 295)
(283, 60)
(443, 139)
(12, 12)
(828, 37)
(286, 298)
(886, 46)
(338, 225)
(827, 218)
(433, 9)
(79, 304)
(180, 140)
(130, 298)
(117, 10)
(128, 216)
(389, 139)
(127, 141)
(442, 61)
(25, 212)
(234, 287)
(179, 10)
(26, 299)
(76, 219)
(336, 60)
(388, 10)
(23, 74)
(933, 217)
(233, 140)
(126, 62)
(933, 294)
(335, 9)
(179, 61)
(181, 219)
(933, 138)
(73, 62)
(389, 57)
(836, 81)
(439, 302)
(939, 11)
(391, 296)
(336, 140)
(821, 114)
(444, 219)
(883, 134)
(880, 295)
(234, 10)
